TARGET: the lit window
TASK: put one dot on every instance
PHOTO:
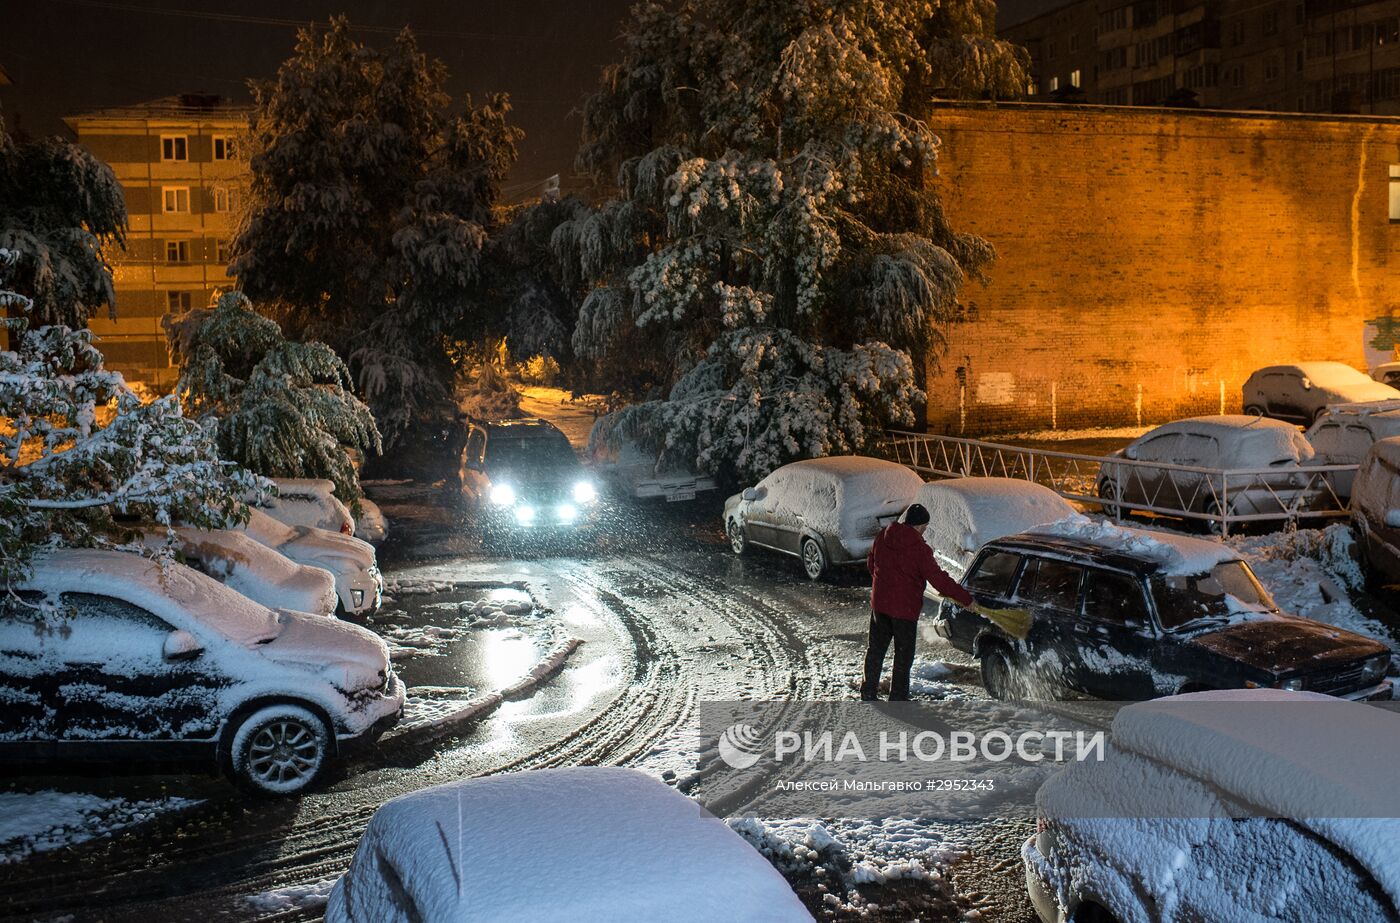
(174, 147)
(1395, 192)
(177, 251)
(1054, 84)
(175, 199)
(178, 301)
(224, 148)
(1031, 89)
(1074, 78)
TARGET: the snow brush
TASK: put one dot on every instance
(1015, 622)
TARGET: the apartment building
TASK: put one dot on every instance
(178, 161)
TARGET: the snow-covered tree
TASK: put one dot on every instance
(60, 210)
(370, 205)
(281, 408)
(78, 448)
(775, 269)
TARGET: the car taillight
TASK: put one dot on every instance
(347, 529)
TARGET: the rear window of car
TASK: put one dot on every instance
(1050, 583)
(994, 573)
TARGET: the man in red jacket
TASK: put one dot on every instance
(900, 563)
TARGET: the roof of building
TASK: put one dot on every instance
(182, 106)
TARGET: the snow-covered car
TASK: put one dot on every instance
(1375, 510)
(1344, 435)
(556, 845)
(371, 525)
(109, 656)
(1302, 391)
(309, 503)
(524, 475)
(1128, 614)
(1216, 443)
(966, 513)
(242, 563)
(350, 561)
(1204, 808)
(1387, 373)
(825, 511)
(634, 472)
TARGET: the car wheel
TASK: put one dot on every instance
(1213, 526)
(1254, 410)
(813, 558)
(279, 750)
(999, 673)
(738, 540)
(1091, 912)
(1108, 493)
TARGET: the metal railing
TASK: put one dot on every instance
(1218, 497)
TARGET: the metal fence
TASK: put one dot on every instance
(1220, 498)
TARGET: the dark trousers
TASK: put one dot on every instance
(883, 629)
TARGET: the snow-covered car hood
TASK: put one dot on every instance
(1286, 644)
(346, 655)
(323, 544)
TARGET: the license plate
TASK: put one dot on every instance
(675, 495)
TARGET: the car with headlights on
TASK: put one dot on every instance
(523, 475)
(111, 657)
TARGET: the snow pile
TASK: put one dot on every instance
(308, 503)
(419, 587)
(1175, 555)
(965, 513)
(42, 821)
(309, 896)
(407, 641)
(507, 848)
(1073, 435)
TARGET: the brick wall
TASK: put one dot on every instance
(1150, 259)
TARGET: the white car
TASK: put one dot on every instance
(309, 502)
(583, 843)
(1302, 391)
(1375, 511)
(106, 655)
(966, 513)
(351, 561)
(1387, 373)
(370, 525)
(250, 567)
(1344, 435)
(825, 511)
(1147, 834)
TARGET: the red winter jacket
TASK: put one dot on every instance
(900, 563)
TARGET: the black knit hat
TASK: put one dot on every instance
(915, 515)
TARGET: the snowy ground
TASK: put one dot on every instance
(40, 821)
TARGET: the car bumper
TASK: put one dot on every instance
(379, 717)
(362, 591)
(1039, 885)
(1381, 692)
(529, 517)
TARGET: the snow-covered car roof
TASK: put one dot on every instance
(159, 588)
(1170, 554)
(1324, 374)
(308, 487)
(842, 467)
(966, 513)
(246, 565)
(1242, 436)
(1387, 450)
(1286, 770)
(275, 534)
(581, 843)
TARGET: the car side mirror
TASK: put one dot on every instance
(1392, 519)
(1307, 384)
(181, 645)
(1130, 453)
(751, 493)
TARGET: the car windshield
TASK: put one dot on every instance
(1229, 590)
(527, 454)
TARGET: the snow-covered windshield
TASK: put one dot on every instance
(530, 454)
(1227, 591)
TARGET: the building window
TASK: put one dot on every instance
(177, 251)
(174, 147)
(1270, 68)
(175, 199)
(1054, 84)
(1237, 32)
(1395, 193)
(221, 199)
(1074, 42)
(1074, 79)
(1050, 51)
(179, 301)
(224, 148)
(223, 250)
(1031, 88)
(1271, 22)
(1237, 76)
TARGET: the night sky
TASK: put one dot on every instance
(71, 56)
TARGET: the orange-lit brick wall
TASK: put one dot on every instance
(1150, 259)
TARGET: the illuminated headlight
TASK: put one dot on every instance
(1292, 685)
(584, 492)
(502, 495)
(567, 512)
(525, 515)
(1375, 668)
(357, 598)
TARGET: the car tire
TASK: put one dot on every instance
(279, 750)
(1212, 526)
(1254, 410)
(1108, 493)
(738, 538)
(1093, 912)
(813, 559)
(999, 672)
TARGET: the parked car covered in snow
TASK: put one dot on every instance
(1205, 807)
(1387, 373)
(524, 475)
(634, 472)
(1375, 510)
(1128, 614)
(1346, 432)
(966, 513)
(555, 845)
(309, 503)
(370, 525)
(825, 511)
(246, 565)
(1300, 392)
(1215, 443)
(111, 656)
(350, 561)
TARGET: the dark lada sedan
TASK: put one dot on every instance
(1123, 619)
